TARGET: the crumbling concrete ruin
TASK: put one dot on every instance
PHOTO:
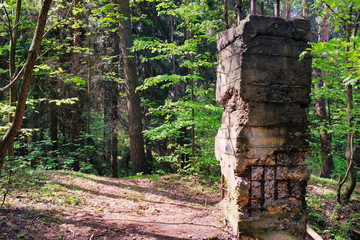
(264, 89)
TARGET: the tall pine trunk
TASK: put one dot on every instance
(75, 108)
(137, 153)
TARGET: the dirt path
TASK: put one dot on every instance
(90, 207)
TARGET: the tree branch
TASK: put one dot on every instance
(13, 81)
(8, 23)
(335, 12)
(17, 24)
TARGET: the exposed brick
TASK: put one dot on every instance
(269, 173)
(256, 189)
(282, 188)
(269, 189)
(257, 172)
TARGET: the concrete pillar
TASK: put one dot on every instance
(264, 89)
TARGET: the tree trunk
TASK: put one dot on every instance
(320, 103)
(113, 91)
(12, 67)
(137, 153)
(229, 8)
(107, 117)
(114, 130)
(34, 50)
(349, 152)
(172, 41)
(53, 117)
(325, 139)
(88, 89)
(286, 9)
(75, 111)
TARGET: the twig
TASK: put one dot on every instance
(17, 24)
(13, 81)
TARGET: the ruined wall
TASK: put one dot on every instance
(264, 89)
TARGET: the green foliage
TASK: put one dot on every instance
(338, 69)
(173, 120)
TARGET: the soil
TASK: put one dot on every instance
(65, 205)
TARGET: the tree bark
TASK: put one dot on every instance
(34, 50)
(325, 139)
(286, 9)
(349, 152)
(320, 103)
(137, 153)
(12, 67)
(88, 89)
(114, 130)
(172, 41)
(53, 116)
(75, 111)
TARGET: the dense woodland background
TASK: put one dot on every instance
(125, 88)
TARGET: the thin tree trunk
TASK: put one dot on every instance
(349, 154)
(75, 111)
(35, 136)
(12, 66)
(349, 151)
(88, 90)
(325, 138)
(34, 50)
(172, 41)
(189, 72)
(107, 117)
(53, 116)
(137, 153)
(114, 130)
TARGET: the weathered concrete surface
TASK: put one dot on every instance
(264, 89)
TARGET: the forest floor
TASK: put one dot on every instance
(67, 205)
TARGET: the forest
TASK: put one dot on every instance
(126, 90)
